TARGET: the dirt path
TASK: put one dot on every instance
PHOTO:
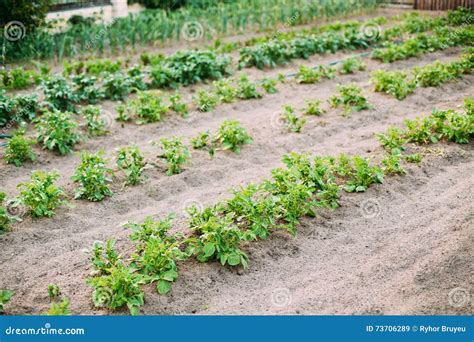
(406, 259)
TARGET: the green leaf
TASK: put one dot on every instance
(209, 249)
(163, 287)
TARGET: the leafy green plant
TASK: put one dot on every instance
(60, 309)
(349, 65)
(57, 131)
(26, 106)
(53, 291)
(178, 105)
(216, 238)
(420, 131)
(231, 135)
(206, 101)
(269, 84)
(351, 97)
(147, 108)
(5, 219)
(120, 287)
(358, 172)
(59, 94)
(225, 91)
(247, 89)
(93, 177)
(413, 158)
(5, 297)
(395, 83)
(203, 142)
(117, 86)
(457, 127)
(7, 106)
(174, 153)
(18, 149)
(393, 140)
(391, 164)
(86, 89)
(313, 107)
(292, 121)
(104, 257)
(132, 163)
(96, 126)
(19, 78)
(41, 195)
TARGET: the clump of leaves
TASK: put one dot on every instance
(104, 257)
(225, 91)
(269, 84)
(5, 297)
(117, 86)
(203, 142)
(174, 153)
(18, 149)
(96, 125)
(157, 252)
(147, 107)
(26, 106)
(420, 131)
(93, 177)
(41, 195)
(60, 309)
(59, 94)
(5, 219)
(413, 158)
(351, 98)
(391, 164)
(395, 83)
(292, 122)
(120, 287)
(247, 89)
(216, 238)
(86, 89)
(57, 131)
(352, 64)
(206, 101)
(132, 163)
(457, 127)
(307, 75)
(393, 140)
(313, 107)
(178, 105)
(53, 291)
(358, 172)
(231, 135)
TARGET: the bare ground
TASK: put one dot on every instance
(404, 247)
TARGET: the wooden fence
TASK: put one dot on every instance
(441, 5)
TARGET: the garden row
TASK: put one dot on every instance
(152, 26)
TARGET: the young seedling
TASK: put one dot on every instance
(41, 195)
(246, 89)
(351, 98)
(269, 84)
(5, 297)
(96, 126)
(132, 163)
(352, 64)
(395, 83)
(5, 219)
(413, 158)
(391, 164)
(225, 91)
(203, 142)
(231, 135)
(18, 149)
(292, 122)
(147, 108)
(53, 291)
(60, 309)
(57, 131)
(177, 105)
(93, 177)
(206, 101)
(313, 107)
(393, 140)
(174, 153)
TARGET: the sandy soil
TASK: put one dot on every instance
(404, 247)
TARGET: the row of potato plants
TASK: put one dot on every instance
(93, 176)
(401, 83)
(218, 232)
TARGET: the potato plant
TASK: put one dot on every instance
(87, 90)
(132, 163)
(351, 98)
(391, 165)
(393, 140)
(206, 101)
(358, 172)
(18, 149)
(292, 122)
(5, 219)
(177, 105)
(146, 108)
(59, 94)
(225, 91)
(41, 196)
(395, 83)
(269, 84)
(57, 131)
(93, 177)
(5, 297)
(307, 75)
(174, 153)
(231, 135)
(313, 107)
(247, 89)
(96, 126)
(104, 256)
(60, 308)
(203, 141)
(352, 64)
(117, 86)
